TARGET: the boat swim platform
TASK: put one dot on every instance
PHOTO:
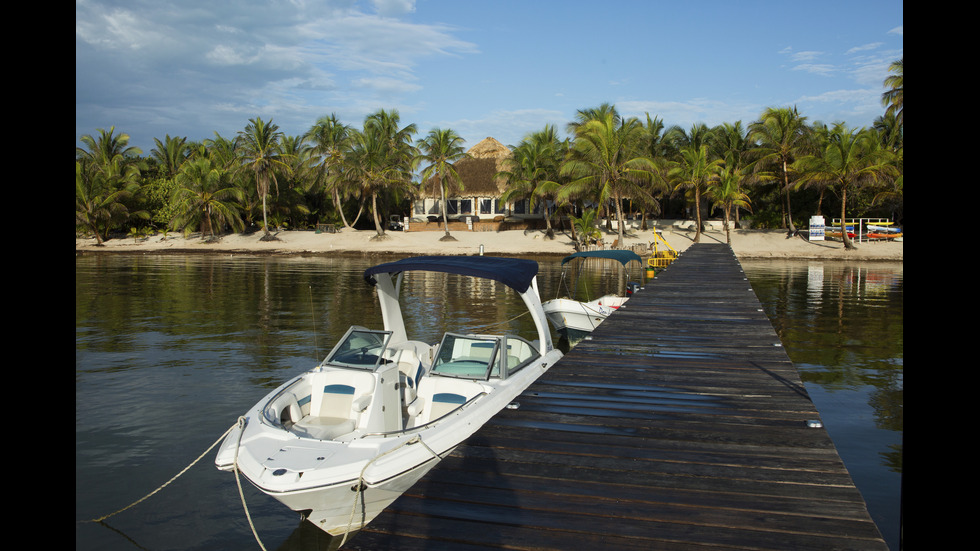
(681, 424)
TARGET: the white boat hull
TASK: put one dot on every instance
(327, 495)
(572, 318)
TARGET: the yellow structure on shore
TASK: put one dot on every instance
(660, 258)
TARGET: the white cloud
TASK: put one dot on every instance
(822, 69)
(864, 48)
(394, 8)
(805, 56)
(223, 60)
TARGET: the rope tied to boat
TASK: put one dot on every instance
(167, 483)
(240, 424)
(242, 421)
(499, 322)
(359, 487)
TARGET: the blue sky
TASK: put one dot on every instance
(501, 69)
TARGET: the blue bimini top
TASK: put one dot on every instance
(516, 273)
(623, 256)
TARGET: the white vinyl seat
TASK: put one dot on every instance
(336, 404)
(438, 396)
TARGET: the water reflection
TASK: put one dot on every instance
(169, 350)
(842, 326)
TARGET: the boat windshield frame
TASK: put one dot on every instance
(466, 367)
(496, 365)
(366, 356)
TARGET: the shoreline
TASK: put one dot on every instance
(746, 244)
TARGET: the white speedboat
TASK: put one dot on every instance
(574, 319)
(342, 441)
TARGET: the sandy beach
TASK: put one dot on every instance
(747, 244)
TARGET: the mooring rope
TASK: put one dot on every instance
(167, 483)
(238, 481)
(241, 494)
(241, 424)
(499, 322)
(360, 479)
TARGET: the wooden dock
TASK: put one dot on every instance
(682, 424)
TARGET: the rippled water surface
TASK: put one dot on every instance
(169, 350)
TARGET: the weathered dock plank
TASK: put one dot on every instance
(681, 424)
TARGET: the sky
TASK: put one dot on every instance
(194, 69)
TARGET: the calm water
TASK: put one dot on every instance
(169, 350)
(842, 326)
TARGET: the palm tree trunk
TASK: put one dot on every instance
(445, 208)
(360, 211)
(619, 217)
(340, 207)
(789, 209)
(377, 221)
(549, 233)
(697, 213)
(728, 232)
(265, 219)
(848, 244)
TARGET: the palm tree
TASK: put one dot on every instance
(607, 161)
(223, 152)
(727, 193)
(851, 158)
(261, 154)
(206, 198)
(99, 203)
(585, 228)
(401, 156)
(676, 141)
(331, 140)
(730, 141)
(693, 171)
(659, 147)
(892, 98)
(170, 153)
(108, 153)
(889, 131)
(532, 171)
(782, 136)
(381, 160)
(582, 116)
(290, 208)
(106, 176)
(441, 149)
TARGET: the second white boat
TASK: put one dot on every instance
(575, 319)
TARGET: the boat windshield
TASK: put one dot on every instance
(360, 348)
(467, 356)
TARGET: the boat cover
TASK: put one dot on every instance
(516, 273)
(622, 256)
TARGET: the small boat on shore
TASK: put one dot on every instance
(341, 442)
(575, 319)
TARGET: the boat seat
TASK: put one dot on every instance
(438, 396)
(336, 404)
(410, 371)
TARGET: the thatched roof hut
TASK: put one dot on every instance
(477, 172)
